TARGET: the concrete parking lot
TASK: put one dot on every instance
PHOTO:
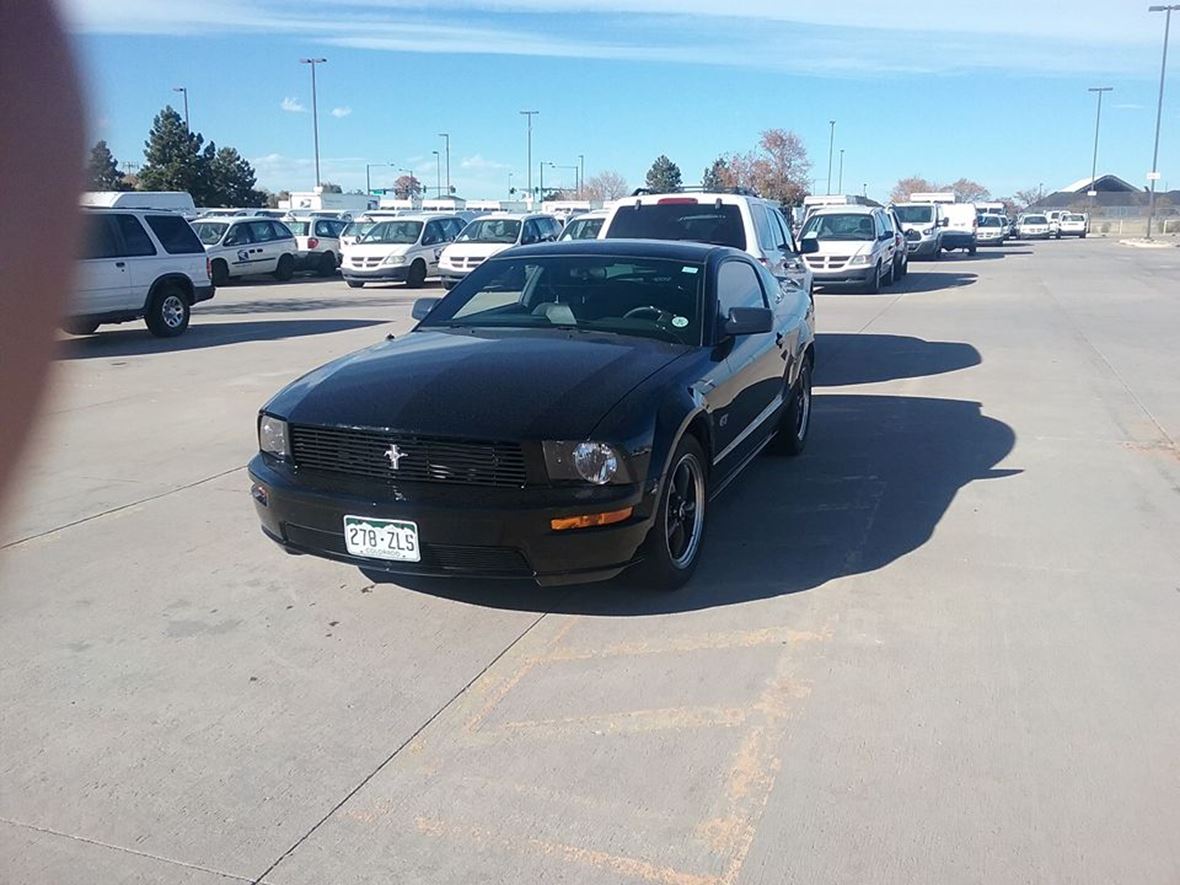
(939, 647)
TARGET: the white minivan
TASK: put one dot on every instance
(239, 247)
(138, 263)
(491, 235)
(856, 245)
(404, 249)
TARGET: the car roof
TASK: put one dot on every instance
(417, 216)
(591, 213)
(700, 196)
(233, 219)
(675, 250)
(512, 216)
(844, 209)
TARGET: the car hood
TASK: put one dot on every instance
(844, 247)
(499, 384)
(475, 250)
(377, 250)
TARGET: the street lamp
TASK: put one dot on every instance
(529, 164)
(831, 144)
(368, 182)
(840, 186)
(510, 184)
(438, 173)
(542, 193)
(447, 136)
(581, 174)
(1154, 174)
(184, 89)
(1097, 120)
(315, 116)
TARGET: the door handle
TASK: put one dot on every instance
(778, 338)
(120, 264)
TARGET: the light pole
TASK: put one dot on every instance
(529, 163)
(447, 136)
(1155, 155)
(1097, 121)
(840, 186)
(510, 184)
(438, 173)
(315, 115)
(184, 89)
(575, 168)
(831, 144)
(368, 182)
(581, 174)
(865, 190)
(542, 194)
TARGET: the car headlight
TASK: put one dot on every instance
(394, 259)
(592, 462)
(927, 231)
(861, 259)
(272, 436)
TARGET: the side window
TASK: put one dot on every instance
(432, 236)
(238, 235)
(175, 235)
(738, 286)
(100, 238)
(261, 231)
(766, 237)
(554, 228)
(324, 229)
(531, 233)
(135, 239)
(451, 228)
(280, 231)
(879, 218)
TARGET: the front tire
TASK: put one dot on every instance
(796, 420)
(890, 277)
(873, 283)
(417, 274)
(286, 268)
(673, 546)
(355, 284)
(80, 327)
(169, 313)
(327, 265)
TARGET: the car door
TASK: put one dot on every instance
(140, 254)
(104, 283)
(242, 253)
(433, 243)
(768, 241)
(883, 248)
(750, 394)
(794, 269)
(268, 247)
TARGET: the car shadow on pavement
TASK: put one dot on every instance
(135, 340)
(878, 476)
(847, 358)
(917, 280)
(301, 305)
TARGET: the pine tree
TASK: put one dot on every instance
(231, 179)
(664, 176)
(718, 176)
(173, 157)
(103, 170)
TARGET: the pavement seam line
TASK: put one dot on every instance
(124, 849)
(146, 500)
(421, 728)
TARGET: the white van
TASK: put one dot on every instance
(491, 235)
(172, 201)
(961, 228)
(856, 245)
(403, 249)
(239, 247)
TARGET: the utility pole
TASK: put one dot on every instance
(581, 174)
(840, 186)
(315, 113)
(831, 144)
(447, 136)
(368, 182)
(865, 190)
(529, 163)
(184, 89)
(437, 173)
(1097, 120)
(1154, 174)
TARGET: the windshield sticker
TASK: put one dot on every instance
(679, 322)
(689, 269)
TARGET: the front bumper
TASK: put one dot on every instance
(1038, 236)
(453, 276)
(464, 531)
(203, 293)
(858, 274)
(922, 248)
(394, 273)
(990, 239)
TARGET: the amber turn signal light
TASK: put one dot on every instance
(591, 520)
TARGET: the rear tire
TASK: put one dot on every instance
(169, 313)
(286, 268)
(417, 274)
(795, 422)
(327, 265)
(673, 546)
(80, 327)
(220, 272)
(355, 284)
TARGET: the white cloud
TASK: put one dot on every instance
(292, 105)
(478, 163)
(1129, 107)
(341, 112)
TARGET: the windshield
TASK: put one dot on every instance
(1035, 219)
(650, 298)
(210, 232)
(491, 230)
(914, 214)
(397, 232)
(990, 221)
(582, 229)
(845, 226)
(719, 225)
(1075, 217)
(358, 229)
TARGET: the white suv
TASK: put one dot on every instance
(138, 263)
(856, 244)
(491, 235)
(239, 247)
(741, 220)
(318, 241)
(404, 249)
(1072, 224)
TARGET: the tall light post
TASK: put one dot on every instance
(447, 136)
(1097, 121)
(368, 181)
(438, 173)
(581, 174)
(1154, 175)
(184, 89)
(575, 168)
(831, 144)
(510, 184)
(542, 193)
(315, 114)
(840, 186)
(529, 163)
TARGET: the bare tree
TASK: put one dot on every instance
(968, 191)
(915, 184)
(777, 169)
(608, 185)
(1026, 198)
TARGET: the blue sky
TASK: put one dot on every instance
(994, 91)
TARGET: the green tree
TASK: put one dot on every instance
(103, 170)
(173, 157)
(230, 179)
(718, 176)
(328, 187)
(664, 176)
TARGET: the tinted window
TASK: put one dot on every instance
(720, 225)
(261, 231)
(100, 238)
(327, 229)
(554, 227)
(915, 214)
(135, 238)
(432, 235)
(451, 227)
(210, 232)
(491, 230)
(532, 232)
(175, 235)
(738, 286)
(238, 235)
(766, 237)
(280, 231)
(398, 232)
(784, 230)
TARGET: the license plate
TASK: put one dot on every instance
(382, 538)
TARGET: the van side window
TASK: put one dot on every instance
(432, 235)
(783, 230)
(766, 237)
(238, 235)
(280, 231)
(135, 239)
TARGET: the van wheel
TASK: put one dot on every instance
(355, 284)
(286, 269)
(891, 276)
(417, 275)
(327, 264)
(80, 327)
(971, 251)
(169, 313)
(673, 546)
(220, 272)
(873, 283)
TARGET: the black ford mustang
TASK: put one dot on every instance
(565, 412)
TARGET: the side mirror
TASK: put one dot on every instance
(749, 321)
(809, 245)
(886, 235)
(944, 222)
(423, 306)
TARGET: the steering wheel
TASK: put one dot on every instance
(661, 316)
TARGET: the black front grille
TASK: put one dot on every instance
(368, 453)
